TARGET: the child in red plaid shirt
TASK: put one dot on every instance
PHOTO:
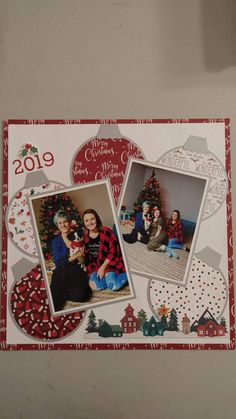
(103, 259)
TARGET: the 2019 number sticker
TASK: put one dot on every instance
(30, 163)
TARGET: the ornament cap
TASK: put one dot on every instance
(21, 268)
(35, 179)
(109, 131)
(197, 144)
(209, 256)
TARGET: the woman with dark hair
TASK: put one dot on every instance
(174, 232)
(103, 258)
(157, 235)
(69, 281)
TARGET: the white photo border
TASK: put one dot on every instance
(84, 307)
(182, 172)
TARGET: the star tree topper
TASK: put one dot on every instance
(163, 311)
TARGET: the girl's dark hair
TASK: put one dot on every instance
(98, 219)
(177, 213)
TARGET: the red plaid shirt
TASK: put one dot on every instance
(109, 248)
(174, 230)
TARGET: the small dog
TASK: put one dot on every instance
(77, 243)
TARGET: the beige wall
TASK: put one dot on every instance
(181, 192)
(178, 191)
(111, 59)
(134, 185)
(95, 197)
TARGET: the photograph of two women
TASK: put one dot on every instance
(88, 250)
(80, 247)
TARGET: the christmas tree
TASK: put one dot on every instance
(149, 193)
(223, 323)
(142, 316)
(164, 322)
(173, 321)
(163, 313)
(49, 206)
(92, 324)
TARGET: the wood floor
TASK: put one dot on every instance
(156, 264)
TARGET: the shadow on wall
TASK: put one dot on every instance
(196, 38)
(218, 21)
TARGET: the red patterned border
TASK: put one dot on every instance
(230, 233)
(3, 323)
(113, 121)
(85, 346)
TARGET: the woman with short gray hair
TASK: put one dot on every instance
(69, 281)
(140, 231)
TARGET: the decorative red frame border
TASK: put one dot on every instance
(82, 346)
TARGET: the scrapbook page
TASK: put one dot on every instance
(117, 234)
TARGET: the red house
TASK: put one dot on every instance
(211, 329)
(129, 323)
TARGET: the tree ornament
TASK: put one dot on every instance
(206, 288)
(105, 156)
(21, 231)
(194, 157)
(30, 309)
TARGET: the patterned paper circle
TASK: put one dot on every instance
(206, 289)
(18, 217)
(31, 312)
(101, 158)
(206, 164)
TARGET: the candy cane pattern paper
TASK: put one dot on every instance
(162, 192)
